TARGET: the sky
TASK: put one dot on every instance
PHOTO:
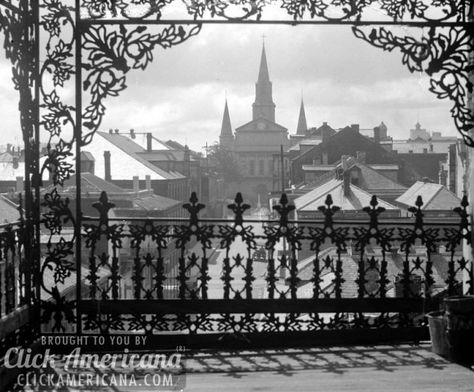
(342, 80)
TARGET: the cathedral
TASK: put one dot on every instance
(257, 143)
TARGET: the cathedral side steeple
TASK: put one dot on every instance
(263, 107)
(302, 126)
(226, 137)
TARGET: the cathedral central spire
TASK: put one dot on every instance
(263, 72)
(263, 107)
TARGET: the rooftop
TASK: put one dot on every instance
(8, 211)
(356, 200)
(90, 184)
(372, 179)
(435, 196)
(125, 159)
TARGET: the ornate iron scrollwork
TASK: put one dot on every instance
(108, 52)
(111, 54)
(444, 56)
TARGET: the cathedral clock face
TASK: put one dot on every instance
(261, 125)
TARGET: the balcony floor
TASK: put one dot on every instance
(408, 368)
(375, 368)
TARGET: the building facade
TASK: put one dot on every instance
(255, 143)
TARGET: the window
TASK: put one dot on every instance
(261, 167)
(252, 167)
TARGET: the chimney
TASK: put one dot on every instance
(377, 135)
(148, 142)
(111, 131)
(19, 184)
(344, 162)
(346, 175)
(187, 161)
(116, 131)
(452, 168)
(324, 133)
(132, 133)
(355, 127)
(9, 148)
(361, 156)
(136, 185)
(325, 158)
(148, 184)
(442, 176)
(107, 174)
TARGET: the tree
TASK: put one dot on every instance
(225, 164)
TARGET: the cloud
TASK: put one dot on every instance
(343, 79)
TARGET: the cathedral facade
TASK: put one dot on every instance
(257, 144)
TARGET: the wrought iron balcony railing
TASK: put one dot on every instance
(18, 326)
(12, 269)
(256, 280)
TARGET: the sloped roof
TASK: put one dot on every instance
(9, 173)
(125, 160)
(87, 156)
(90, 184)
(375, 180)
(305, 142)
(141, 139)
(164, 155)
(434, 196)
(347, 142)
(354, 201)
(325, 128)
(6, 157)
(175, 145)
(370, 178)
(155, 202)
(8, 211)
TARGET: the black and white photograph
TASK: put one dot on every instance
(236, 195)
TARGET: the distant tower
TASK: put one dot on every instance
(263, 107)
(302, 126)
(383, 131)
(226, 137)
